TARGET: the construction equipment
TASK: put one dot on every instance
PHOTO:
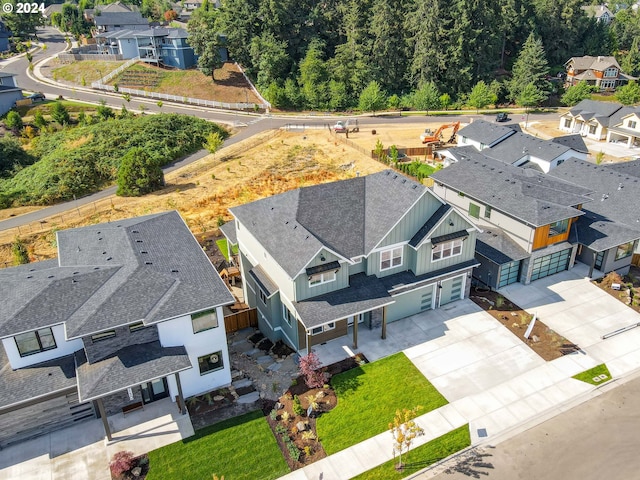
(429, 137)
(350, 126)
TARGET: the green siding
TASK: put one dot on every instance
(358, 267)
(451, 290)
(412, 221)
(302, 288)
(373, 264)
(410, 303)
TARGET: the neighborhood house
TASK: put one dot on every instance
(130, 312)
(602, 72)
(320, 261)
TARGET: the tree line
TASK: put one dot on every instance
(323, 55)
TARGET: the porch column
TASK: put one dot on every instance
(384, 323)
(593, 263)
(103, 416)
(183, 406)
(355, 331)
(308, 342)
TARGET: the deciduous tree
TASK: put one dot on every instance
(404, 430)
(310, 368)
(203, 37)
(481, 96)
(426, 97)
(372, 98)
(628, 94)
(576, 93)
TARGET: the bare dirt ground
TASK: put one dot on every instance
(203, 191)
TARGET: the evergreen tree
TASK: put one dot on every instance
(631, 62)
(269, 57)
(60, 114)
(388, 48)
(19, 252)
(238, 21)
(314, 77)
(138, 174)
(530, 67)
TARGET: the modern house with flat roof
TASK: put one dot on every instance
(130, 312)
(319, 261)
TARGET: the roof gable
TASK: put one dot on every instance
(485, 132)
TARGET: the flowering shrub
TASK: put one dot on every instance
(121, 462)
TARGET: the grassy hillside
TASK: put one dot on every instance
(78, 161)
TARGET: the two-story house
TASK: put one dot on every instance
(112, 21)
(320, 260)
(165, 46)
(602, 71)
(525, 217)
(10, 93)
(600, 13)
(130, 312)
(512, 147)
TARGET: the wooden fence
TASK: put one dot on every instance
(409, 151)
(240, 320)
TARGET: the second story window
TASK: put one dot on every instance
(558, 228)
(263, 297)
(35, 342)
(204, 321)
(287, 315)
(320, 278)
(632, 124)
(446, 250)
(474, 210)
(611, 72)
(487, 212)
(391, 258)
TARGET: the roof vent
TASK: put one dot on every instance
(604, 197)
(76, 273)
(96, 268)
(50, 276)
(138, 241)
(620, 186)
(148, 263)
(414, 187)
(109, 258)
(135, 231)
(174, 271)
(404, 181)
(143, 252)
(74, 280)
(29, 276)
(98, 233)
(388, 172)
(395, 176)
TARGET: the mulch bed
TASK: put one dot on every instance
(629, 292)
(544, 341)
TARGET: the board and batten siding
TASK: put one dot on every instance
(423, 257)
(302, 288)
(359, 267)
(412, 221)
(255, 252)
(373, 263)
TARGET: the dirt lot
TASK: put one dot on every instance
(203, 191)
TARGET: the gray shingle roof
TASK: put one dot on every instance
(485, 132)
(591, 108)
(128, 367)
(120, 18)
(613, 217)
(263, 280)
(630, 168)
(350, 217)
(498, 247)
(229, 231)
(525, 194)
(519, 145)
(574, 142)
(364, 293)
(148, 268)
(425, 230)
(24, 384)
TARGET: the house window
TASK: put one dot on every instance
(608, 84)
(287, 315)
(567, 123)
(487, 212)
(624, 250)
(320, 278)
(631, 124)
(390, 258)
(98, 337)
(474, 210)
(558, 228)
(136, 326)
(446, 250)
(592, 129)
(323, 328)
(611, 72)
(204, 321)
(35, 342)
(263, 297)
(210, 362)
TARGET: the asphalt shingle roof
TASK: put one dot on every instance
(128, 367)
(120, 18)
(148, 268)
(630, 168)
(229, 231)
(613, 217)
(406, 281)
(498, 247)
(263, 280)
(593, 108)
(574, 142)
(363, 294)
(426, 229)
(525, 194)
(485, 132)
(519, 145)
(349, 217)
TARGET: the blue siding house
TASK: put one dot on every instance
(4, 37)
(10, 93)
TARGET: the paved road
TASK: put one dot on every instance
(253, 124)
(595, 441)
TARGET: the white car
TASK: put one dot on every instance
(340, 127)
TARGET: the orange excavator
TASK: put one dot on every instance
(430, 137)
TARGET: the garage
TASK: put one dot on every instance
(550, 264)
(411, 302)
(451, 290)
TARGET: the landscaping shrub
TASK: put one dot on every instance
(121, 463)
(297, 406)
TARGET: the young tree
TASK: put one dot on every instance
(628, 94)
(426, 97)
(13, 121)
(531, 96)
(19, 252)
(314, 77)
(60, 114)
(310, 368)
(404, 430)
(372, 98)
(445, 100)
(170, 15)
(203, 37)
(480, 96)
(104, 112)
(576, 93)
(214, 142)
(530, 67)
(138, 174)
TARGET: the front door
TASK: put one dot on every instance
(155, 390)
(360, 318)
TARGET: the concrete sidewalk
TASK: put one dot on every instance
(493, 381)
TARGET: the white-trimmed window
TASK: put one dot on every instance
(632, 124)
(323, 328)
(592, 129)
(611, 72)
(567, 123)
(320, 278)
(446, 250)
(204, 321)
(391, 258)
(262, 295)
(287, 315)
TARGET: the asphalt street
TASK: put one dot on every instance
(596, 440)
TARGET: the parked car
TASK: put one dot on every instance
(502, 117)
(37, 97)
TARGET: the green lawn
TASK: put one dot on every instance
(368, 398)
(422, 456)
(239, 448)
(222, 245)
(594, 372)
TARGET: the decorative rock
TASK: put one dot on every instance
(320, 394)
(279, 406)
(513, 314)
(218, 398)
(263, 386)
(301, 426)
(535, 339)
(136, 471)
